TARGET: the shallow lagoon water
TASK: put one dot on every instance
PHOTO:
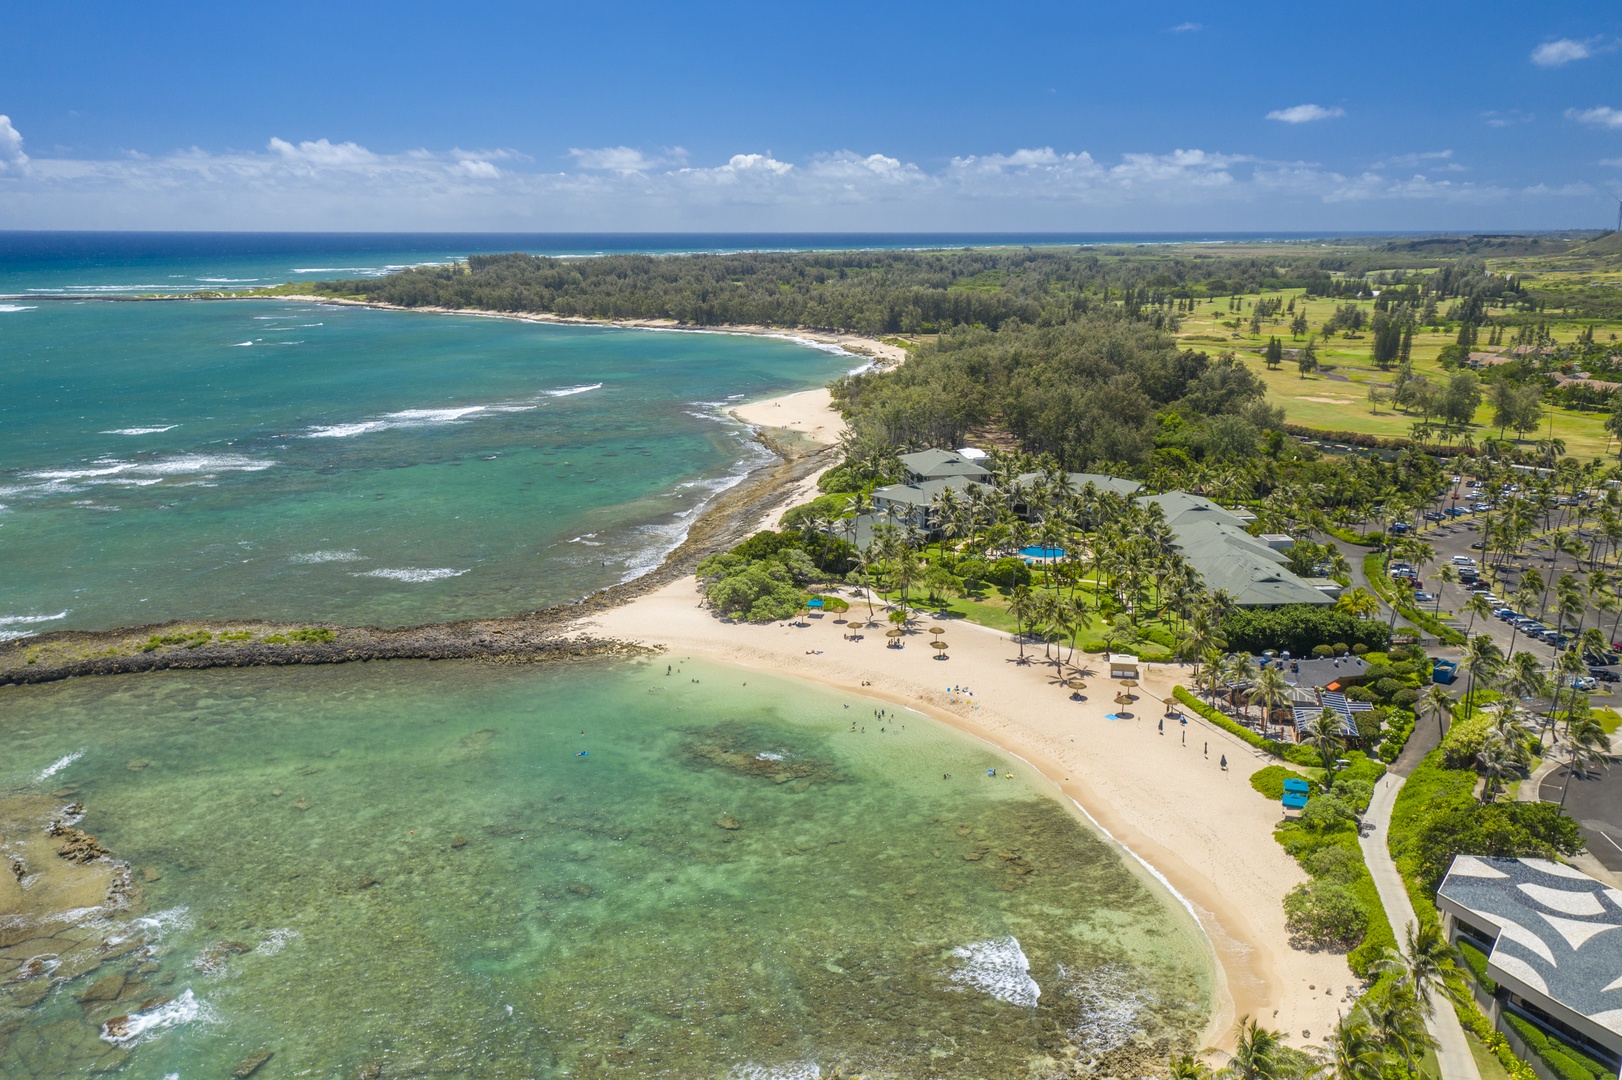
(729, 881)
(260, 459)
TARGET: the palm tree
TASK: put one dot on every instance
(1444, 577)
(1359, 603)
(1270, 690)
(1022, 606)
(1187, 1067)
(1476, 605)
(1497, 759)
(1257, 1055)
(1589, 746)
(1356, 1051)
(1241, 668)
(1323, 734)
(1427, 966)
(1437, 703)
(1482, 659)
(1400, 1023)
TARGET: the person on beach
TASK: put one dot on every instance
(1224, 762)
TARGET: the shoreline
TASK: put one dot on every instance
(1229, 880)
(1202, 832)
(878, 352)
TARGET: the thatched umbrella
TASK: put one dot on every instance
(897, 632)
(937, 629)
(1123, 699)
(937, 644)
(1076, 684)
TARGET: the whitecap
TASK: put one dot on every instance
(767, 755)
(59, 764)
(138, 472)
(9, 621)
(414, 575)
(276, 941)
(794, 1070)
(226, 280)
(1000, 968)
(159, 923)
(569, 390)
(19, 307)
(328, 556)
(140, 430)
(134, 1028)
(344, 431)
(1110, 1003)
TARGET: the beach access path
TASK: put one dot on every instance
(1452, 1049)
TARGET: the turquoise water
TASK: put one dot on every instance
(410, 866)
(296, 461)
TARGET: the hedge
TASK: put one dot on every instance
(1479, 1026)
(1476, 961)
(1298, 755)
(1565, 1059)
(1269, 781)
(1299, 628)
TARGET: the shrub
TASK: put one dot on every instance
(1325, 914)
(1464, 740)
(312, 634)
(1269, 780)
(1361, 693)
(1322, 652)
(1359, 649)
(1341, 648)
(1405, 698)
(1476, 961)
(1326, 812)
(1335, 864)
(1298, 628)
(1008, 572)
(1355, 793)
(1386, 687)
(1565, 1059)
(1298, 755)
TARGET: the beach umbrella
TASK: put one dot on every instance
(937, 644)
(937, 629)
(1123, 699)
(1076, 684)
(1129, 683)
(897, 632)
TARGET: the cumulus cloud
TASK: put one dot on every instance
(1435, 160)
(322, 184)
(1305, 114)
(11, 146)
(625, 159)
(1600, 116)
(1562, 51)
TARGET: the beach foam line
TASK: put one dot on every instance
(410, 418)
(140, 430)
(414, 575)
(9, 623)
(19, 307)
(999, 967)
(227, 280)
(59, 764)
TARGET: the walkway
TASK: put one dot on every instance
(1452, 1051)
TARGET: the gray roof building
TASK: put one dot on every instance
(1079, 480)
(939, 464)
(1216, 545)
(1553, 939)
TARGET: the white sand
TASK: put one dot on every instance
(1206, 831)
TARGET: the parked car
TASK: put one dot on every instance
(1605, 675)
(1423, 598)
(1584, 682)
(1463, 560)
(1601, 659)
(1400, 528)
(1505, 614)
(1478, 546)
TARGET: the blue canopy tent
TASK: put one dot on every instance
(814, 602)
(1294, 800)
(1297, 786)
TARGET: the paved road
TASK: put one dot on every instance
(1596, 802)
(1452, 1051)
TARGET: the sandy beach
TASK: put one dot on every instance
(1163, 795)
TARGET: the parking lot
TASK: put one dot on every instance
(1595, 801)
(1455, 536)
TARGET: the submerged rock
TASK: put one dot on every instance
(459, 842)
(728, 822)
(107, 988)
(251, 1065)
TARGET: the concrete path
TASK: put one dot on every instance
(1452, 1051)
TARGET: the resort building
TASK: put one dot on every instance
(1552, 938)
(1252, 569)
(926, 465)
(914, 503)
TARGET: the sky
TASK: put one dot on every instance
(833, 116)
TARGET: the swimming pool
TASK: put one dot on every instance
(1042, 552)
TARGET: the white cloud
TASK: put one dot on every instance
(11, 146)
(1188, 28)
(1614, 162)
(322, 184)
(1435, 160)
(1305, 114)
(1562, 51)
(1600, 116)
(626, 159)
(1506, 119)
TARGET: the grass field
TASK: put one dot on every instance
(1335, 398)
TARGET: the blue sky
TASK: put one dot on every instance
(860, 116)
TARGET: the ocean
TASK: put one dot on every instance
(427, 869)
(461, 869)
